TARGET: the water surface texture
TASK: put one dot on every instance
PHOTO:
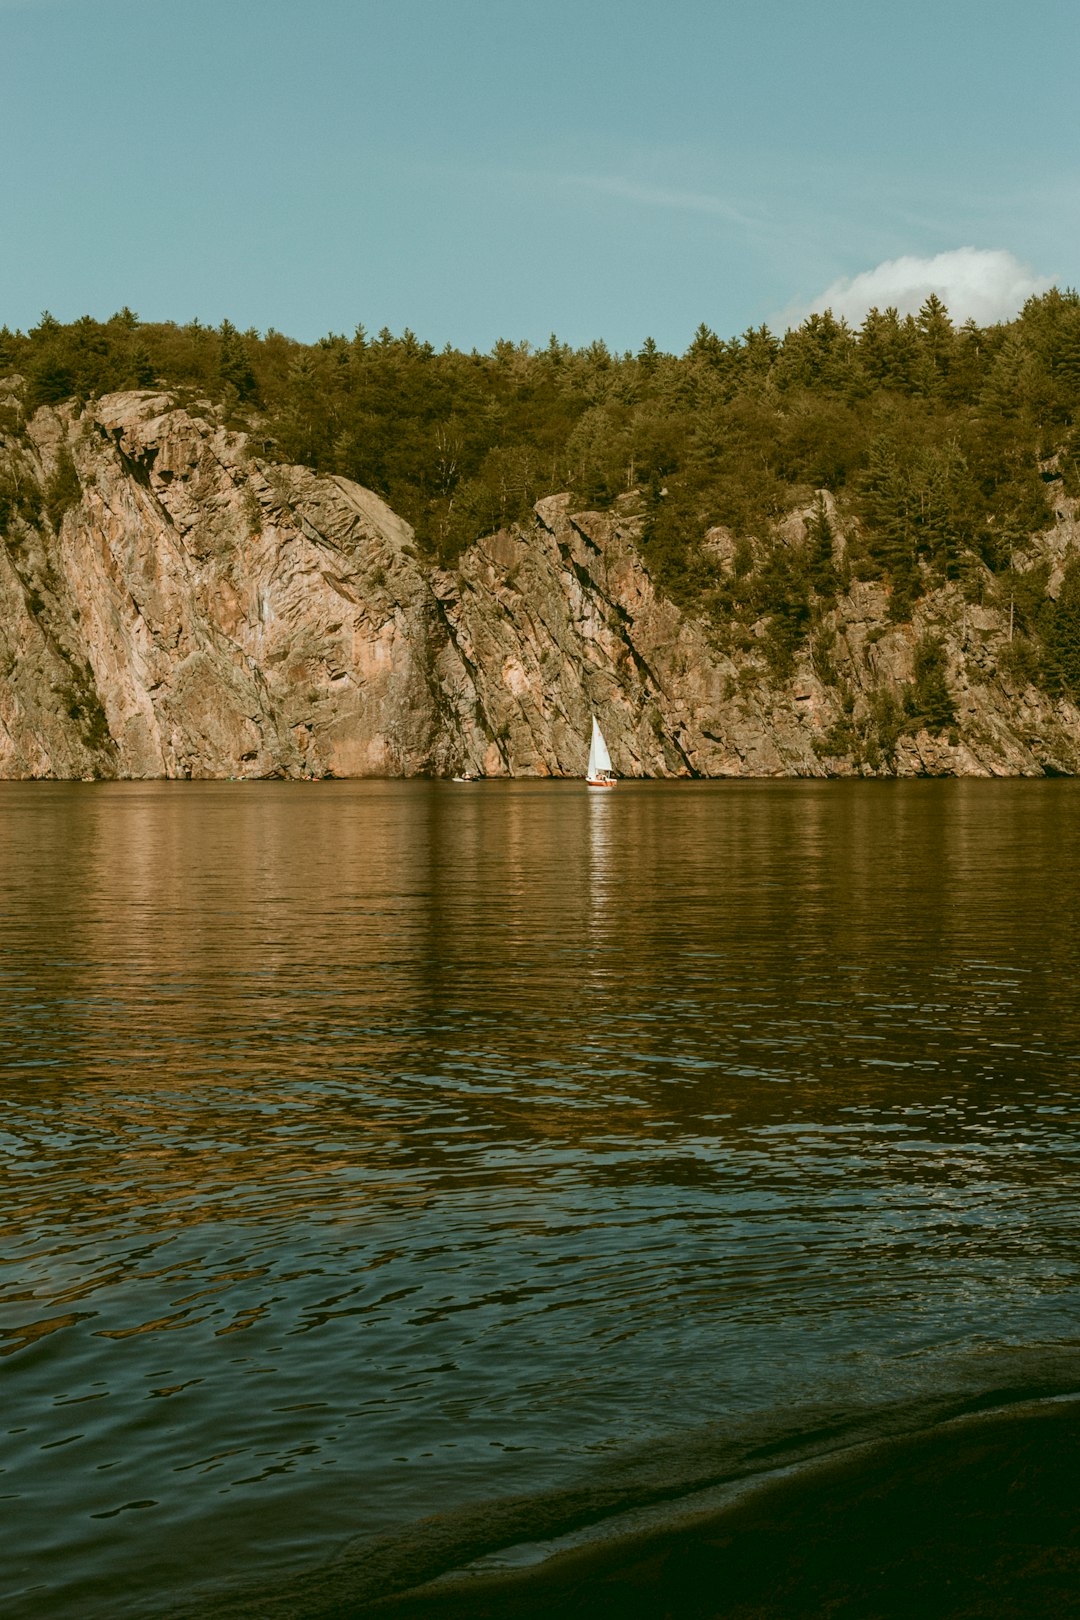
(380, 1150)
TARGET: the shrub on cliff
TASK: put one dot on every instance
(1060, 626)
(63, 488)
(928, 702)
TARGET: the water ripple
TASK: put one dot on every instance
(370, 1150)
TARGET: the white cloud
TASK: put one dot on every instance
(980, 284)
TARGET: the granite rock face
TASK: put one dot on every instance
(171, 605)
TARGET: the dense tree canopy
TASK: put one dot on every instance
(940, 439)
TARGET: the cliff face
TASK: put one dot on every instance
(171, 605)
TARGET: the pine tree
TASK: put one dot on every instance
(819, 549)
(928, 701)
(888, 349)
(937, 344)
(1065, 355)
(706, 346)
(1060, 625)
(648, 355)
(886, 502)
(234, 361)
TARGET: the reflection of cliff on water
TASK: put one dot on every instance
(358, 966)
(209, 958)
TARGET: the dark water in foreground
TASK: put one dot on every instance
(376, 1150)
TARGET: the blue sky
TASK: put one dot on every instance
(476, 170)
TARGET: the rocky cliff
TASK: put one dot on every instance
(172, 605)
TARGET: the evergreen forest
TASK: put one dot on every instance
(943, 444)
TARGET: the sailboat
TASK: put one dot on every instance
(598, 772)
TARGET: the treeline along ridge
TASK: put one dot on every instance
(943, 445)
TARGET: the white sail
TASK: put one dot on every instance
(599, 758)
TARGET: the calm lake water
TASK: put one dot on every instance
(509, 1153)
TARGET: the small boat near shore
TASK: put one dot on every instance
(598, 772)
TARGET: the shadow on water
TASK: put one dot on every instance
(917, 1507)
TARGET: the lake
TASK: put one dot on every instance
(404, 1173)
